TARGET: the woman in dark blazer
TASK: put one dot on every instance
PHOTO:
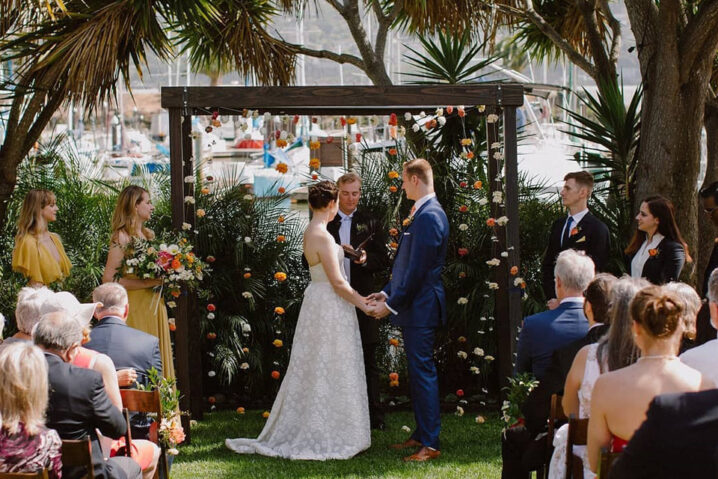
(657, 251)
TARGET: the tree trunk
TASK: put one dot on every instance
(706, 229)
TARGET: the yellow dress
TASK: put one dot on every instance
(32, 259)
(148, 313)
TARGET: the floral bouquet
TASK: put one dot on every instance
(169, 258)
(518, 391)
(170, 431)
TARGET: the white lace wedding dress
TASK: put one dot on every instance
(557, 469)
(321, 411)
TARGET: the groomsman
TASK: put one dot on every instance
(580, 230)
(351, 227)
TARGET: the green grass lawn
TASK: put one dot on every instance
(469, 450)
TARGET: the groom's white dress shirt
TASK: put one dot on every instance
(418, 204)
(345, 237)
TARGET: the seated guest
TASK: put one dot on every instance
(524, 448)
(127, 347)
(27, 314)
(26, 445)
(709, 205)
(657, 251)
(543, 333)
(78, 403)
(657, 331)
(692, 304)
(679, 438)
(613, 351)
(704, 358)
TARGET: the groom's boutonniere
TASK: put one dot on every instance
(653, 252)
(575, 230)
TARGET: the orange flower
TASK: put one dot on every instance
(281, 143)
(275, 375)
(392, 151)
(265, 414)
(393, 175)
(394, 342)
(394, 384)
(281, 239)
(463, 184)
(277, 343)
(574, 231)
(463, 251)
(466, 142)
(282, 168)
(393, 376)
(315, 176)
(281, 219)
(477, 185)
(279, 276)
(204, 191)
(653, 252)
(393, 245)
(212, 399)
(463, 208)
(351, 120)
(281, 190)
(279, 310)
(211, 336)
(247, 275)
(175, 294)
(462, 274)
(460, 111)
(491, 222)
(245, 350)
(393, 189)
(211, 307)
(393, 231)
(240, 410)
(315, 163)
(176, 264)
(173, 327)
(314, 145)
(514, 270)
(469, 155)
(461, 339)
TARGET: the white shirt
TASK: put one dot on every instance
(345, 235)
(572, 299)
(643, 254)
(703, 359)
(576, 219)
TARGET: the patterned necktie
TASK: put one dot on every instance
(567, 231)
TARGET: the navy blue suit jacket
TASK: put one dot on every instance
(126, 346)
(545, 332)
(415, 290)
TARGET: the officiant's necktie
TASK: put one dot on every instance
(567, 230)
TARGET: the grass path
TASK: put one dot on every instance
(469, 450)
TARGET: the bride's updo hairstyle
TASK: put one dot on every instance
(322, 193)
(658, 310)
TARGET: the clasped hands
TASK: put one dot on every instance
(375, 306)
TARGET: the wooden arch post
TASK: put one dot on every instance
(184, 102)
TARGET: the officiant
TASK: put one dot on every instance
(356, 227)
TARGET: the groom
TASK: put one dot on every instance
(415, 299)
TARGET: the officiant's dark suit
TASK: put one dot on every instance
(678, 439)
(362, 278)
(589, 235)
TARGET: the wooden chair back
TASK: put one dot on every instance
(555, 415)
(607, 458)
(41, 474)
(78, 452)
(147, 402)
(577, 436)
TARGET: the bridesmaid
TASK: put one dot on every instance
(147, 308)
(39, 254)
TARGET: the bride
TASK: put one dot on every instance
(321, 411)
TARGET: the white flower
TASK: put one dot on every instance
(441, 120)
(496, 145)
(463, 227)
(504, 254)
(498, 155)
(492, 118)
(130, 270)
(246, 328)
(173, 249)
(189, 179)
(478, 351)
(282, 135)
(481, 108)
(246, 295)
(211, 374)
(146, 276)
(422, 114)
(474, 370)
(186, 226)
(497, 196)
(459, 411)
(518, 281)
(406, 428)
(263, 131)
(172, 451)
(482, 318)
(244, 366)
(407, 116)
(210, 315)
(489, 358)
(248, 197)
(480, 420)
(439, 111)
(189, 200)
(462, 355)
(247, 239)
(493, 285)
(483, 202)
(502, 220)
(402, 132)
(415, 127)
(494, 262)
(267, 115)
(462, 301)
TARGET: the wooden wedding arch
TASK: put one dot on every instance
(499, 98)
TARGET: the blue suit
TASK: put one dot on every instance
(416, 294)
(545, 332)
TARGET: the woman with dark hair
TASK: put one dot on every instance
(657, 251)
(321, 410)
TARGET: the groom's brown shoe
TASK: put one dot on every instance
(406, 444)
(423, 454)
